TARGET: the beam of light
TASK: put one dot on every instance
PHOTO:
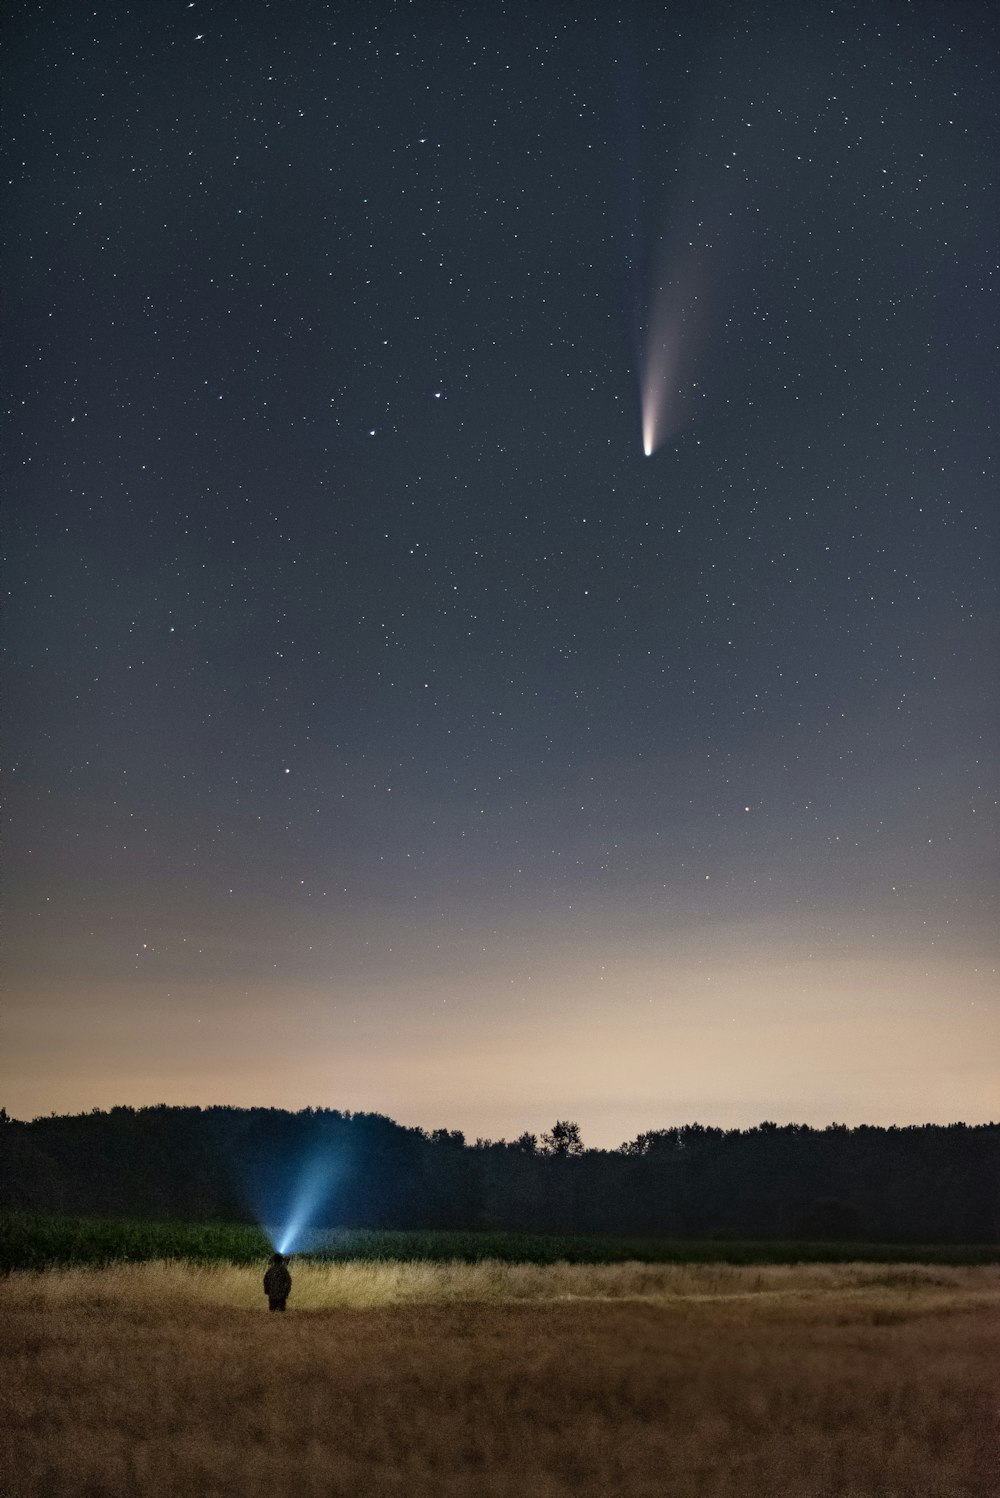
(297, 1228)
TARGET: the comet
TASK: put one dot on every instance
(670, 345)
(658, 385)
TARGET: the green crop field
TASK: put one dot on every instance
(35, 1242)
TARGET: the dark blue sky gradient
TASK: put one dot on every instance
(386, 731)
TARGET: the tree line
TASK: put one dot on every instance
(929, 1183)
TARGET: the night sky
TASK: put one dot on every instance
(385, 730)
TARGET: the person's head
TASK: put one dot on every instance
(277, 1258)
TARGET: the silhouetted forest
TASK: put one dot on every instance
(925, 1184)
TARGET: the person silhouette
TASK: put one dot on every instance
(277, 1283)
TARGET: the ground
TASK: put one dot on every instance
(498, 1382)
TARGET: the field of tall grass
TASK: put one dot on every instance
(406, 1380)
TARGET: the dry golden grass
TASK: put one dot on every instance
(506, 1381)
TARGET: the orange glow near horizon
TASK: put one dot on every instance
(618, 1039)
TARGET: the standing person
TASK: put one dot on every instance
(277, 1283)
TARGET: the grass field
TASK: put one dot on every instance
(406, 1380)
